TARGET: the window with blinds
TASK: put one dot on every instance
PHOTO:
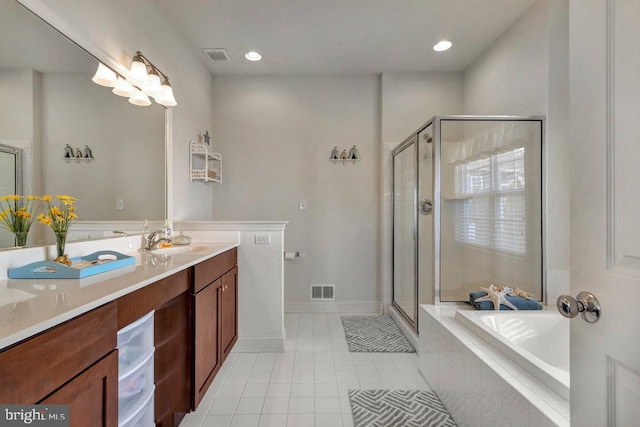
(493, 211)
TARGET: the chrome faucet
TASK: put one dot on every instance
(152, 242)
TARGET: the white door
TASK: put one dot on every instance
(605, 209)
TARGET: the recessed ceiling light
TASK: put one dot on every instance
(253, 56)
(442, 45)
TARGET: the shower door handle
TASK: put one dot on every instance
(425, 206)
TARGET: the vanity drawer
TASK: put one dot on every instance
(211, 269)
(38, 366)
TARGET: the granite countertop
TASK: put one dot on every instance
(30, 306)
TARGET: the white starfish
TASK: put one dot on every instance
(497, 295)
(519, 292)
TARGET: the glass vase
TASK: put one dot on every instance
(61, 239)
(21, 238)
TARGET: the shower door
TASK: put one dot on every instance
(427, 215)
(405, 230)
(10, 182)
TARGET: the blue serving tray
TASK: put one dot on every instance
(96, 263)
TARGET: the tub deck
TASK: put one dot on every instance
(478, 384)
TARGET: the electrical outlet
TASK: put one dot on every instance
(263, 239)
(120, 204)
(302, 204)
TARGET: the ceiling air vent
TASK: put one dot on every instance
(217, 55)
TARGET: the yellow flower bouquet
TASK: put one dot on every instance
(59, 217)
(16, 215)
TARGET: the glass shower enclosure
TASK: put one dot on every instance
(467, 210)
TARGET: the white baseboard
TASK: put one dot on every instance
(259, 344)
(411, 335)
(333, 307)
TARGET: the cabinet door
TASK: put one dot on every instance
(206, 338)
(92, 396)
(229, 311)
(172, 360)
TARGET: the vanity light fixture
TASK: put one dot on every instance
(140, 99)
(145, 80)
(253, 56)
(442, 45)
(124, 88)
(105, 76)
(138, 72)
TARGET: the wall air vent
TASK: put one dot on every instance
(323, 292)
(217, 54)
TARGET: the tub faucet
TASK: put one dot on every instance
(152, 241)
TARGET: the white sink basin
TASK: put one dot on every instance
(174, 250)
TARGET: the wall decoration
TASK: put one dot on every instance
(68, 152)
(88, 154)
(353, 155)
(77, 154)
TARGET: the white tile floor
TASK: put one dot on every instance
(307, 385)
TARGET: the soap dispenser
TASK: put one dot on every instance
(166, 229)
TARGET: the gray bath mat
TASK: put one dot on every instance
(374, 334)
(406, 408)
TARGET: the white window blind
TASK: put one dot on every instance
(493, 211)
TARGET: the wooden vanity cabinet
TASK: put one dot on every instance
(76, 363)
(73, 363)
(215, 321)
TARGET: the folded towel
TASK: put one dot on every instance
(521, 303)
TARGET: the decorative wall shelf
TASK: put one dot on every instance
(353, 155)
(78, 159)
(204, 166)
(78, 155)
(343, 161)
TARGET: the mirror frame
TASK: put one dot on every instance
(63, 25)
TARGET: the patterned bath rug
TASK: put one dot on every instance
(406, 408)
(374, 334)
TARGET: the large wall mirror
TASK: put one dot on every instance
(49, 102)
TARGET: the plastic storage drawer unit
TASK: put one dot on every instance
(134, 342)
(134, 386)
(143, 417)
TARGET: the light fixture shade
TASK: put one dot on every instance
(138, 72)
(154, 87)
(140, 99)
(105, 76)
(124, 88)
(167, 99)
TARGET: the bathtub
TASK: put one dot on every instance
(484, 378)
(537, 341)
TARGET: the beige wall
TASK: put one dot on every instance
(275, 134)
(511, 77)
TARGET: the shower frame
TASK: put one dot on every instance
(18, 173)
(436, 122)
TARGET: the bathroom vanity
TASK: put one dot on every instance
(70, 356)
